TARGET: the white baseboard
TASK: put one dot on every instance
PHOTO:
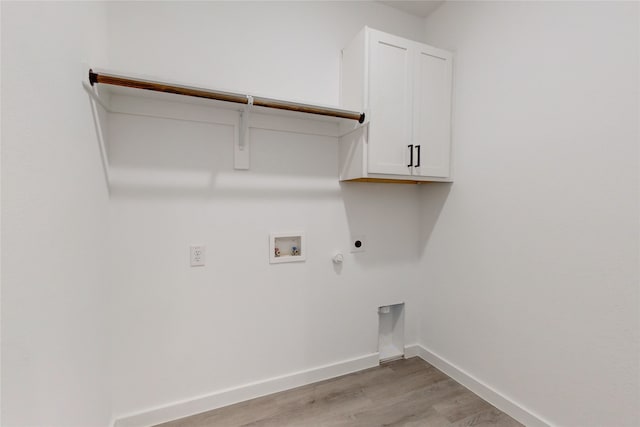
(412, 350)
(497, 399)
(230, 396)
(233, 395)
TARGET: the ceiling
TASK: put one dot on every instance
(418, 8)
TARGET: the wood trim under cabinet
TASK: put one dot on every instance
(386, 181)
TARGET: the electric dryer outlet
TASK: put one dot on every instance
(358, 243)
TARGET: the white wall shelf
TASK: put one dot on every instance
(218, 95)
(244, 105)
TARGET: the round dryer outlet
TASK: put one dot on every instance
(358, 243)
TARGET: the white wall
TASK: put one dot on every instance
(528, 262)
(288, 50)
(531, 269)
(54, 220)
(182, 332)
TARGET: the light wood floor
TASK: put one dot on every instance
(407, 392)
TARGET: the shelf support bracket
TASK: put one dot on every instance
(242, 144)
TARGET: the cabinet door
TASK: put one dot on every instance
(390, 103)
(432, 112)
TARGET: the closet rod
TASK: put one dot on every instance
(116, 80)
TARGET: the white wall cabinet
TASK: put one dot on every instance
(405, 89)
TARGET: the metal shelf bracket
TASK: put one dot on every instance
(242, 145)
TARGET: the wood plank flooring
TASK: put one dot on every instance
(406, 392)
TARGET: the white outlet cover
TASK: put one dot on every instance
(358, 243)
(198, 256)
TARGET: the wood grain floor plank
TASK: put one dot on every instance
(406, 392)
(490, 418)
(461, 407)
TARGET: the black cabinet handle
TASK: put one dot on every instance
(410, 155)
(418, 164)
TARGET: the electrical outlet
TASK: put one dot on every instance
(197, 256)
(357, 243)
